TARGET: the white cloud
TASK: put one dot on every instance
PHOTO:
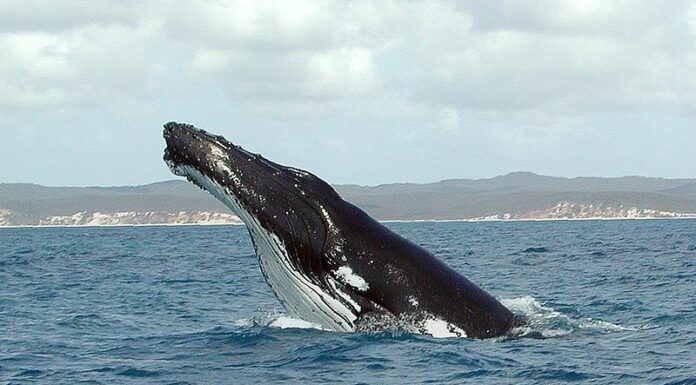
(564, 57)
(450, 120)
(79, 66)
(348, 71)
(61, 15)
(490, 73)
(257, 25)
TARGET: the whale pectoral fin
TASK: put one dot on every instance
(306, 244)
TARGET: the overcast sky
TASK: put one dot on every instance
(364, 92)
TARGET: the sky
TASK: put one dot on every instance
(356, 92)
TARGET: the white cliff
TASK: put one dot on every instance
(124, 218)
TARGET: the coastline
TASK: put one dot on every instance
(122, 225)
(477, 220)
(471, 220)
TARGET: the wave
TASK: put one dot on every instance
(545, 322)
(274, 319)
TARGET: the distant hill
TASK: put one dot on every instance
(518, 195)
(525, 195)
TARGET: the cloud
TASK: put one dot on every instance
(561, 57)
(78, 67)
(60, 15)
(487, 74)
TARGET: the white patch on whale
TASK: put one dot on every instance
(347, 276)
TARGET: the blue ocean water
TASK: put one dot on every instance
(609, 302)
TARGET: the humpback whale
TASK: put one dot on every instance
(326, 260)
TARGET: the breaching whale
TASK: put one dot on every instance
(327, 261)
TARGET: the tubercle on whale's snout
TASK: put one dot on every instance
(174, 131)
(180, 139)
(171, 126)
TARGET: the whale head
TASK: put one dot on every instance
(249, 178)
(289, 214)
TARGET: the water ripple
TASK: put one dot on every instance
(605, 302)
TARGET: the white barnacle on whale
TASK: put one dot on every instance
(346, 275)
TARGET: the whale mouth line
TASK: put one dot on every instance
(174, 167)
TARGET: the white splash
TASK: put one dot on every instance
(284, 322)
(272, 318)
(547, 322)
(244, 322)
(347, 276)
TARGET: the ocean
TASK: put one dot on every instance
(608, 302)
